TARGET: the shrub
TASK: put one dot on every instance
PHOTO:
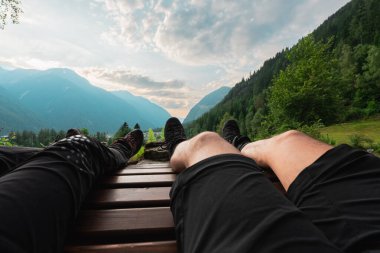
(138, 156)
(327, 139)
(360, 141)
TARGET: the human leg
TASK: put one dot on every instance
(340, 193)
(40, 199)
(12, 156)
(221, 202)
(286, 154)
(337, 188)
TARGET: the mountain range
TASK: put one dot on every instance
(206, 103)
(61, 99)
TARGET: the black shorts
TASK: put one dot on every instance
(225, 204)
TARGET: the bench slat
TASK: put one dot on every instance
(124, 225)
(149, 166)
(139, 181)
(148, 247)
(129, 171)
(129, 197)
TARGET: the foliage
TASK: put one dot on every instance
(327, 139)
(151, 136)
(7, 140)
(4, 141)
(9, 8)
(360, 141)
(306, 91)
(45, 137)
(123, 130)
(84, 131)
(162, 134)
(363, 142)
(137, 126)
(138, 156)
(341, 133)
(332, 75)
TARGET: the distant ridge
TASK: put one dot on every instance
(206, 103)
(155, 113)
(61, 99)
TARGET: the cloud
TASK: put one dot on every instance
(28, 63)
(217, 32)
(171, 94)
(131, 79)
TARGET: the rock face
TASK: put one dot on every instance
(153, 151)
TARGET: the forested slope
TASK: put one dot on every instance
(332, 75)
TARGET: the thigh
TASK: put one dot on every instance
(225, 204)
(41, 198)
(10, 157)
(340, 193)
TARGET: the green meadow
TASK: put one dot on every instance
(362, 134)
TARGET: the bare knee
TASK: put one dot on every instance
(205, 138)
(200, 147)
(288, 136)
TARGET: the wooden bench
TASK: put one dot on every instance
(129, 212)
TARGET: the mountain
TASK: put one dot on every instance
(206, 103)
(352, 36)
(156, 114)
(13, 115)
(61, 99)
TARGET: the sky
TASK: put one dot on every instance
(173, 52)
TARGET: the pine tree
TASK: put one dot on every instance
(123, 130)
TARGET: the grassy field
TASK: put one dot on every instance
(342, 133)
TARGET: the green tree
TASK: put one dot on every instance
(85, 131)
(137, 126)
(307, 90)
(7, 140)
(151, 137)
(371, 77)
(123, 130)
(9, 9)
(162, 134)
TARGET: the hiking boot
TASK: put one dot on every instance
(174, 134)
(133, 139)
(72, 132)
(231, 133)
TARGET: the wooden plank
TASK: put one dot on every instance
(129, 197)
(147, 247)
(138, 181)
(129, 171)
(124, 225)
(149, 165)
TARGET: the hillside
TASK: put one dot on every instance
(367, 129)
(330, 76)
(61, 99)
(156, 114)
(206, 103)
(13, 114)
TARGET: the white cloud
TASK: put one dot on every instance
(171, 51)
(171, 94)
(230, 34)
